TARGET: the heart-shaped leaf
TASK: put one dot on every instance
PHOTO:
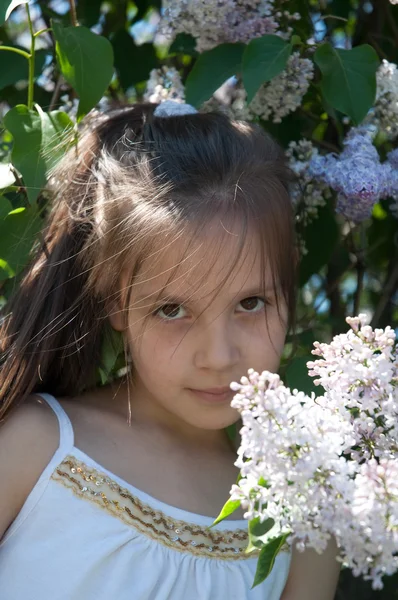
(348, 78)
(86, 62)
(211, 70)
(264, 58)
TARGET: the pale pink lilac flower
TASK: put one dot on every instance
(213, 22)
(294, 449)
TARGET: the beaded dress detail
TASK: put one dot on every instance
(97, 487)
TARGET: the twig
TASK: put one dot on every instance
(323, 17)
(360, 267)
(56, 92)
(73, 15)
(31, 60)
(389, 288)
(326, 145)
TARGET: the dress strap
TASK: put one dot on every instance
(66, 435)
(66, 443)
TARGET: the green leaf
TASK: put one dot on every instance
(258, 528)
(263, 59)
(57, 135)
(267, 558)
(231, 432)
(111, 348)
(6, 8)
(348, 78)
(5, 207)
(132, 63)
(297, 376)
(257, 531)
(211, 70)
(184, 43)
(18, 231)
(229, 507)
(39, 141)
(321, 237)
(86, 61)
(14, 67)
(6, 272)
(25, 127)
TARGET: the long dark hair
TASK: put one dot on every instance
(134, 177)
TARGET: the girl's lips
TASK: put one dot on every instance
(214, 395)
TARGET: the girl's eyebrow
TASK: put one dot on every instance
(252, 291)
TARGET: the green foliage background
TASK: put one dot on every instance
(56, 54)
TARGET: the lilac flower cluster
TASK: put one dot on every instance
(164, 84)
(284, 93)
(213, 22)
(384, 114)
(294, 450)
(311, 194)
(274, 100)
(357, 175)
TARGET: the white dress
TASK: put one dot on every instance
(85, 534)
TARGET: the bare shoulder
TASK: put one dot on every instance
(301, 583)
(28, 439)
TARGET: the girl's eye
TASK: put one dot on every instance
(252, 304)
(170, 312)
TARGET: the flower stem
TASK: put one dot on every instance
(16, 50)
(31, 60)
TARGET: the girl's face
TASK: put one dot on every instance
(203, 332)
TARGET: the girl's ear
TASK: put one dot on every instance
(117, 317)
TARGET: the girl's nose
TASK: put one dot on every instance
(216, 347)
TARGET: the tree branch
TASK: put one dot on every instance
(389, 289)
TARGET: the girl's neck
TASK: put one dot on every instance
(147, 414)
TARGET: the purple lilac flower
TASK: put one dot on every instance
(356, 175)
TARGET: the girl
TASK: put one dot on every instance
(175, 229)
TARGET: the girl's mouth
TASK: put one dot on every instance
(214, 395)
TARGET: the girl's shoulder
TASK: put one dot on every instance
(29, 438)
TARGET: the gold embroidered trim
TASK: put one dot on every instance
(86, 482)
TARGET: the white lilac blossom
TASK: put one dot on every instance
(385, 111)
(322, 466)
(392, 181)
(274, 100)
(357, 175)
(284, 93)
(311, 194)
(164, 84)
(213, 22)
